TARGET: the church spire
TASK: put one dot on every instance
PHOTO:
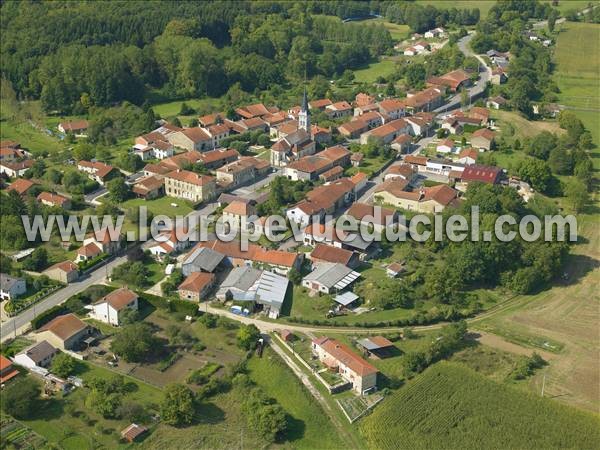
(304, 115)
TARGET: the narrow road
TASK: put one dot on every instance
(478, 88)
(18, 324)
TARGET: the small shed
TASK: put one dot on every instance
(376, 346)
(287, 335)
(132, 432)
(395, 269)
(346, 299)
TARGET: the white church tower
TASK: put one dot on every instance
(304, 115)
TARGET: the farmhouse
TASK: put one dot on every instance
(196, 286)
(242, 171)
(77, 127)
(257, 110)
(392, 108)
(338, 357)
(213, 159)
(324, 199)
(65, 332)
(483, 138)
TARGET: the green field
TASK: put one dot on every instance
(308, 425)
(369, 74)
(397, 31)
(450, 406)
(566, 5)
(578, 65)
(172, 109)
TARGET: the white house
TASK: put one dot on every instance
(37, 355)
(446, 146)
(108, 308)
(11, 287)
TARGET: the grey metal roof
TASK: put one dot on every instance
(242, 278)
(40, 351)
(7, 282)
(332, 275)
(202, 259)
(346, 298)
(271, 289)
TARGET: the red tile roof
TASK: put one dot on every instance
(118, 299)
(190, 177)
(20, 186)
(484, 133)
(197, 281)
(55, 199)
(484, 174)
(64, 326)
(344, 355)
(75, 125)
(65, 266)
(328, 253)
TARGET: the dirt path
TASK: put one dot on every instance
(314, 391)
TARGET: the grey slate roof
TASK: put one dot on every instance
(271, 289)
(201, 259)
(39, 351)
(7, 282)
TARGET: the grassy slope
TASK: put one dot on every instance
(369, 74)
(308, 425)
(450, 406)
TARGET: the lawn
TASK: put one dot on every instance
(524, 128)
(161, 206)
(308, 425)
(30, 138)
(171, 109)
(397, 31)
(451, 406)
(369, 74)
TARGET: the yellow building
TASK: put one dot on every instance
(190, 186)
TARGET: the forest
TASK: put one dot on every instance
(78, 55)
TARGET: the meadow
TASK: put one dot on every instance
(577, 60)
(374, 70)
(451, 406)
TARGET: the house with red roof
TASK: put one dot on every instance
(51, 199)
(64, 332)
(338, 358)
(21, 186)
(194, 138)
(425, 200)
(76, 127)
(196, 286)
(97, 171)
(109, 309)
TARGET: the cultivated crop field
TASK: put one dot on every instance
(450, 406)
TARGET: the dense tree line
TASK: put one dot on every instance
(77, 56)
(421, 18)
